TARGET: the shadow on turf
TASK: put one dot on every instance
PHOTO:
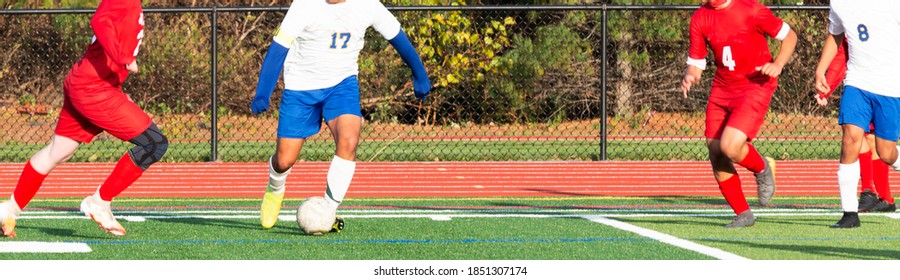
(829, 251)
(67, 232)
(282, 227)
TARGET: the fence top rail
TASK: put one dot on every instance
(209, 9)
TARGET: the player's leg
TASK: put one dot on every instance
(723, 169)
(342, 114)
(748, 115)
(345, 130)
(280, 164)
(71, 129)
(855, 116)
(730, 185)
(887, 130)
(114, 112)
(300, 116)
(867, 195)
(885, 200)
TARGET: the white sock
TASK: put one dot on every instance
(896, 164)
(277, 180)
(848, 180)
(340, 173)
(13, 206)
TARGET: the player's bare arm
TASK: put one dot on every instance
(773, 69)
(828, 52)
(691, 76)
(132, 67)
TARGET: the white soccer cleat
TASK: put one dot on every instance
(98, 210)
(9, 211)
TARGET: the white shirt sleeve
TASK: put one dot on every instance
(292, 24)
(836, 27)
(384, 22)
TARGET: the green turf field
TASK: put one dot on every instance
(554, 228)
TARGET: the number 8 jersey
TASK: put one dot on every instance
(324, 39)
(737, 36)
(872, 30)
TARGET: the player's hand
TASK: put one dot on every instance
(822, 83)
(132, 67)
(687, 82)
(421, 87)
(821, 99)
(771, 69)
(260, 104)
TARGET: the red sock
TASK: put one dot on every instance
(865, 171)
(882, 185)
(123, 175)
(29, 183)
(753, 161)
(731, 189)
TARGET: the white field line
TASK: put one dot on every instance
(665, 238)
(539, 211)
(444, 214)
(43, 247)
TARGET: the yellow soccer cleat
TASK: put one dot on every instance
(271, 206)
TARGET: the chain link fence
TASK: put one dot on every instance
(587, 82)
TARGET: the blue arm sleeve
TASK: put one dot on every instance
(268, 77)
(404, 47)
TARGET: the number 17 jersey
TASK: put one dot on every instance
(737, 36)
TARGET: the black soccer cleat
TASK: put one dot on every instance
(883, 206)
(338, 225)
(867, 201)
(849, 220)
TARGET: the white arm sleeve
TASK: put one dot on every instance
(384, 22)
(836, 27)
(293, 22)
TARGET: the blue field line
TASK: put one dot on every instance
(367, 241)
(871, 238)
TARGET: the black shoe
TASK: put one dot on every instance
(338, 225)
(884, 206)
(867, 200)
(849, 220)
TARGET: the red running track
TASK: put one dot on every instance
(443, 179)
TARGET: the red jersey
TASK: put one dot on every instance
(737, 36)
(837, 70)
(118, 27)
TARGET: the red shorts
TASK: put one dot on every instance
(744, 109)
(87, 113)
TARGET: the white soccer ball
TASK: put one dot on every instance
(315, 216)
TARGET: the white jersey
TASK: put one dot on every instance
(872, 29)
(325, 39)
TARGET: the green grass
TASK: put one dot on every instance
(539, 228)
(108, 151)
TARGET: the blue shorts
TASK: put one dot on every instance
(301, 111)
(860, 108)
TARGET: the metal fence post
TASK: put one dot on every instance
(214, 127)
(603, 103)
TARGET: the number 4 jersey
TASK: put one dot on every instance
(118, 27)
(737, 36)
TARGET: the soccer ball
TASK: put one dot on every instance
(315, 216)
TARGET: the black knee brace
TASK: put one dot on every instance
(151, 146)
